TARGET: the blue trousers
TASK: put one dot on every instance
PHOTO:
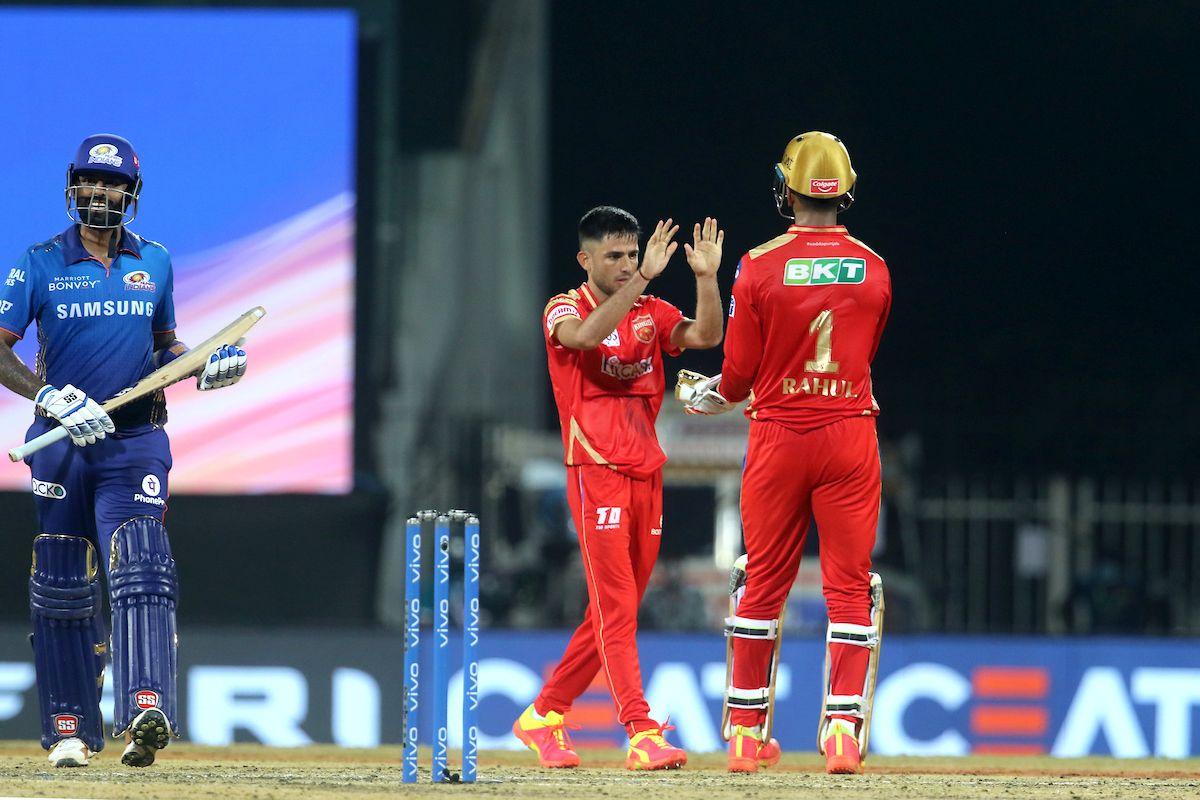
(90, 491)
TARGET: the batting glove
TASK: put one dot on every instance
(86, 422)
(225, 367)
(699, 394)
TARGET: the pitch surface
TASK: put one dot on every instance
(189, 772)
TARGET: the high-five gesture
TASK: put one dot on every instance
(659, 249)
(705, 256)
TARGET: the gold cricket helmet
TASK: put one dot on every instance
(816, 165)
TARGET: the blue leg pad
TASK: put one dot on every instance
(68, 638)
(144, 586)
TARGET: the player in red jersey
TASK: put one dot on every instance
(807, 313)
(604, 344)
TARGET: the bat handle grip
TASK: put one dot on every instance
(33, 445)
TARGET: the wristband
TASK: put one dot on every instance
(639, 271)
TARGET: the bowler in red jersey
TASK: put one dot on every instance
(605, 341)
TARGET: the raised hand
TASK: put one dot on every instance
(705, 256)
(659, 249)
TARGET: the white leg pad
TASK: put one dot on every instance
(870, 637)
(748, 698)
(746, 628)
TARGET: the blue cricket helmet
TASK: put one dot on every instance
(113, 158)
(108, 154)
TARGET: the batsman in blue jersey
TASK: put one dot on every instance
(101, 297)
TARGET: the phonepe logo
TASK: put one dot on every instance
(824, 271)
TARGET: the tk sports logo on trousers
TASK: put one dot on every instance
(823, 271)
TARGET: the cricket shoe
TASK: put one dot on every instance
(547, 736)
(748, 752)
(149, 733)
(70, 753)
(841, 749)
(649, 750)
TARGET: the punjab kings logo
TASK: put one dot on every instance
(66, 724)
(146, 698)
(823, 185)
(643, 329)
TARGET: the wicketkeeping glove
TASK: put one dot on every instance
(225, 367)
(86, 422)
(699, 394)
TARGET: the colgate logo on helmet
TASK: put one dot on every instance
(146, 699)
(823, 185)
(66, 723)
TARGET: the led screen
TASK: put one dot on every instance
(244, 123)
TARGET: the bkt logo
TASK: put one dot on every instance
(823, 271)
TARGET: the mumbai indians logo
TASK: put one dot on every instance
(105, 154)
(139, 281)
(823, 271)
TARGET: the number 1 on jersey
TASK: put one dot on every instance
(822, 326)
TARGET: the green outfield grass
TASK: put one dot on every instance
(191, 772)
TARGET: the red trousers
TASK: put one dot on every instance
(619, 522)
(832, 474)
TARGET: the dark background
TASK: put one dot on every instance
(1024, 171)
(1027, 173)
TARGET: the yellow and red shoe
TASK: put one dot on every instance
(547, 736)
(649, 750)
(841, 749)
(747, 751)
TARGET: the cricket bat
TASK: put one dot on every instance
(182, 367)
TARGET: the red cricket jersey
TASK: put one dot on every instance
(807, 312)
(608, 398)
